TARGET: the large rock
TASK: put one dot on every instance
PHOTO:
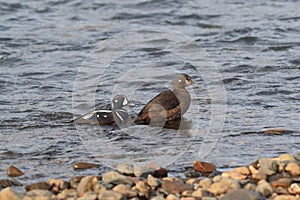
(9, 194)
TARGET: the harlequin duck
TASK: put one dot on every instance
(168, 105)
(109, 114)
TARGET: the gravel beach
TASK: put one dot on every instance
(266, 178)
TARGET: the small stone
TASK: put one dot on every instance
(223, 186)
(191, 181)
(159, 172)
(286, 157)
(172, 197)
(13, 171)
(158, 198)
(192, 174)
(250, 186)
(281, 190)
(75, 181)
(66, 193)
(286, 197)
(264, 188)
(237, 175)
(240, 194)
(140, 171)
(187, 193)
(200, 192)
(39, 194)
(175, 187)
(205, 183)
(293, 168)
(282, 182)
(153, 182)
(8, 183)
(204, 167)
(259, 176)
(84, 165)
(188, 198)
(242, 170)
(267, 166)
(125, 168)
(88, 196)
(9, 194)
(209, 198)
(88, 183)
(142, 188)
(37, 186)
(56, 185)
(274, 131)
(115, 178)
(125, 190)
(294, 189)
(110, 195)
(252, 169)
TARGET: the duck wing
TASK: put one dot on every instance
(167, 101)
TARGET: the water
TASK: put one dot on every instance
(52, 57)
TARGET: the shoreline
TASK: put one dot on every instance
(266, 178)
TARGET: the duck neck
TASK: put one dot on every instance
(184, 99)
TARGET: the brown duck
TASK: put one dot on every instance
(168, 105)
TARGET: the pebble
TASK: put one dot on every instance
(223, 186)
(125, 190)
(175, 187)
(141, 171)
(125, 168)
(200, 192)
(267, 166)
(158, 198)
(153, 182)
(204, 167)
(88, 196)
(264, 188)
(39, 194)
(142, 188)
(110, 195)
(67, 193)
(293, 168)
(56, 185)
(13, 171)
(9, 194)
(250, 186)
(159, 172)
(172, 197)
(286, 197)
(8, 183)
(37, 186)
(286, 157)
(240, 194)
(282, 182)
(84, 165)
(88, 183)
(205, 183)
(294, 189)
(115, 178)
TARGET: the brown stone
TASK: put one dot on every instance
(143, 188)
(286, 157)
(264, 188)
(84, 165)
(274, 131)
(200, 192)
(259, 176)
(13, 171)
(88, 183)
(175, 187)
(294, 189)
(204, 167)
(242, 170)
(240, 195)
(37, 186)
(282, 182)
(110, 195)
(293, 168)
(205, 183)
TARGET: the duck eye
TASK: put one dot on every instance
(116, 101)
(179, 80)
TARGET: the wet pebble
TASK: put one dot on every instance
(84, 165)
(204, 167)
(37, 186)
(13, 171)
